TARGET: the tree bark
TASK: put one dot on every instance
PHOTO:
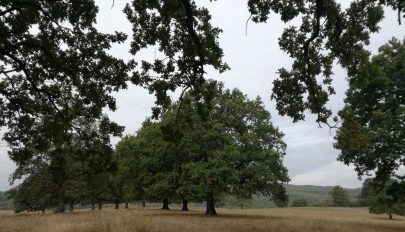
(126, 204)
(143, 204)
(71, 203)
(390, 216)
(100, 204)
(165, 204)
(93, 204)
(61, 201)
(185, 205)
(210, 211)
(117, 204)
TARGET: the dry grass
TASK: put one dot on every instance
(277, 220)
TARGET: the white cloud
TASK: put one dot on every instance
(334, 173)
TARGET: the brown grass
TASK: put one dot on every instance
(277, 220)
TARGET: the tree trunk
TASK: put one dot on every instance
(126, 204)
(390, 216)
(143, 204)
(185, 205)
(210, 211)
(165, 204)
(61, 201)
(100, 204)
(93, 204)
(71, 203)
(117, 204)
(43, 210)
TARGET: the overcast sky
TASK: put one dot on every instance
(254, 60)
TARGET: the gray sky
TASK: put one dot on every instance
(254, 60)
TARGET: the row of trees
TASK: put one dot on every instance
(69, 170)
(222, 144)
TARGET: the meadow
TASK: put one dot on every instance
(275, 219)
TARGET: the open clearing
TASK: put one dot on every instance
(277, 220)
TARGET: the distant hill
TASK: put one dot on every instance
(313, 194)
(316, 194)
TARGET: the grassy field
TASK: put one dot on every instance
(277, 220)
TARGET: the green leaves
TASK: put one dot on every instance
(339, 197)
(373, 127)
(327, 33)
(185, 40)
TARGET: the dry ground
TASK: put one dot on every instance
(274, 220)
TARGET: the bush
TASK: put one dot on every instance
(327, 203)
(300, 203)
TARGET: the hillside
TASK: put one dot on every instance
(313, 194)
(316, 194)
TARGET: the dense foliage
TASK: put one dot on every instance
(222, 145)
(339, 197)
(299, 203)
(387, 198)
(55, 75)
(372, 136)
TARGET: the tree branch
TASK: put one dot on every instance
(400, 2)
(199, 67)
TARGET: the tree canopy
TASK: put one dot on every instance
(339, 197)
(224, 144)
(373, 131)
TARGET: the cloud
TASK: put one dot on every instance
(334, 173)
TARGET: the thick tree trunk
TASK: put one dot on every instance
(100, 204)
(117, 204)
(71, 203)
(93, 204)
(185, 205)
(390, 216)
(61, 201)
(165, 204)
(126, 204)
(210, 204)
(143, 204)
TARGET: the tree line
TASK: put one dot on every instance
(221, 145)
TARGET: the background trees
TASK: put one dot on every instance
(299, 203)
(339, 197)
